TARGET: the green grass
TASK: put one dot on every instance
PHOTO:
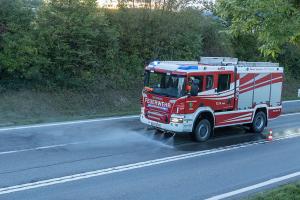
(286, 192)
(30, 106)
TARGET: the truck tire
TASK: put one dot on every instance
(158, 131)
(202, 131)
(259, 122)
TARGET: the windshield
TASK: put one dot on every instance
(165, 84)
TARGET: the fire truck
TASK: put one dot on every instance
(197, 97)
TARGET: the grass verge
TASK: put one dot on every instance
(286, 192)
(29, 106)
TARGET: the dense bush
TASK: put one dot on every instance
(75, 43)
(154, 34)
(75, 39)
(17, 47)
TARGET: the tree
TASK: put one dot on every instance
(17, 47)
(75, 39)
(216, 41)
(274, 22)
(157, 34)
(15, 16)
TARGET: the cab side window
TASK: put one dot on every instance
(224, 82)
(209, 82)
(200, 80)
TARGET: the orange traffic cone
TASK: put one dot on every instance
(270, 135)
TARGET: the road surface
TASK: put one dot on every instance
(291, 106)
(122, 159)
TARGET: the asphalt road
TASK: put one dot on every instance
(31, 157)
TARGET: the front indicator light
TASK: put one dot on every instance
(176, 120)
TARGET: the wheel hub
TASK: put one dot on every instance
(259, 122)
(203, 130)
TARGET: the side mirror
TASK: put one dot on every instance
(148, 89)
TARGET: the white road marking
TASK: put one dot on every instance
(291, 101)
(66, 123)
(101, 172)
(256, 186)
(39, 148)
(290, 114)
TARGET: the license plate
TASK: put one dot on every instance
(155, 124)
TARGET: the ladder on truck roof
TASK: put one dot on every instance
(177, 62)
(234, 61)
(218, 61)
(257, 64)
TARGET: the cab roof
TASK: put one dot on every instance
(185, 67)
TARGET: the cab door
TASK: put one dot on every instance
(193, 102)
(225, 91)
(209, 94)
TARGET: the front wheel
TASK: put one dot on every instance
(259, 122)
(202, 131)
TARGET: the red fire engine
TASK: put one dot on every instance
(196, 97)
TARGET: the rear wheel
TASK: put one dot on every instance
(259, 122)
(202, 131)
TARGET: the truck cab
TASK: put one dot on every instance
(172, 90)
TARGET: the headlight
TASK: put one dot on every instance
(176, 120)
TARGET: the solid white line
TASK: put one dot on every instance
(67, 123)
(256, 186)
(290, 114)
(291, 101)
(39, 148)
(101, 172)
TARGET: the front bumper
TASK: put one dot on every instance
(184, 127)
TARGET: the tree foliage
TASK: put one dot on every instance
(146, 35)
(17, 51)
(74, 37)
(158, 35)
(290, 59)
(274, 22)
(73, 43)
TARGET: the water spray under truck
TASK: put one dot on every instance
(197, 97)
